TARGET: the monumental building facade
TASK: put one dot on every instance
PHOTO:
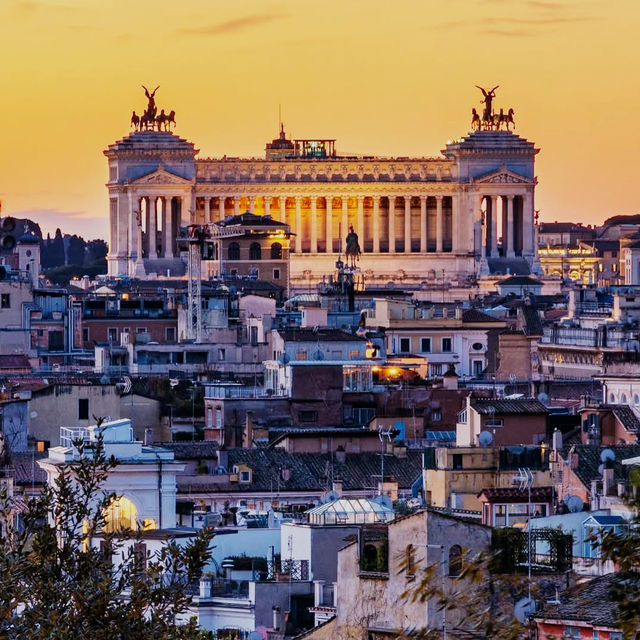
(461, 214)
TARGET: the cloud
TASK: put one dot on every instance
(512, 33)
(230, 26)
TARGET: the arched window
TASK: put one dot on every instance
(234, 251)
(636, 400)
(455, 561)
(410, 562)
(121, 514)
(623, 398)
(255, 251)
(276, 251)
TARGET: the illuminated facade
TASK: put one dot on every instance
(577, 265)
(466, 212)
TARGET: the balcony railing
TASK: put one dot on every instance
(287, 570)
(241, 391)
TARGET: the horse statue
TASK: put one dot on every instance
(508, 119)
(170, 119)
(352, 251)
(135, 120)
(146, 122)
(475, 120)
(161, 120)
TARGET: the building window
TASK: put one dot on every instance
(410, 562)
(170, 334)
(301, 355)
(354, 354)
(245, 476)
(478, 366)
(222, 354)
(405, 345)
(455, 561)
(121, 514)
(436, 369)
(140, 330)
(218, 417)
(255, 251)
(5, 301)
(623, 398)
(276, 251)
(85, 334)
(83, 409)
(457, 461)
(570, 633)
(436, 415)
(234, 251)
(209, 418)
(308, 416)
(112, 334)
(276, 274)
(425, 345)
(446, 345)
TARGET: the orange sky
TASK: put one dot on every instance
(383, 77)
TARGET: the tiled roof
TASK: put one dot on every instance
(26, 470)
(308, 471)
(589, 602)
(473, 315)
(319, 335)
(14, 362)
(513, 494)
(589, 460)
(251, 219)
(561, 227)
(520, 406)
(192, 450)
(628, 419)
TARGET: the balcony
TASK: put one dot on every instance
(231, 391)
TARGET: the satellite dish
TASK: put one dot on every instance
(384, 501)
(331, 496)
(318, 355)
(543, 397)
(523, 609)
(33, 414)
(573, 503)
(485, 439)
(607, 455)
(283, 358)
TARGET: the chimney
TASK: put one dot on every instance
(205, 587)
(247, 433)
(148, 436)
(276, 618)
(607, 481)
(337, 487)
(450, 378)
(556, 440)
(341, 455)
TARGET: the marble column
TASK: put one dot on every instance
(168, 228)
(439, 225)
(314, 224)
(267, 205)
(423, 224)
(527, 225)
(221, 211)
(283, 209)
(207, 209)
(494, 226)
(510, 245)
(329, 224)
(345, 223)
(455, 222)
(298, 229)
(477, 223)
(152, 228)
(236, 205)
(360, 222)
(407, 224)
(392, 224)
(134, 204)
(252, 201)
(376, 224)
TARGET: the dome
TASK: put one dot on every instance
(29, 238)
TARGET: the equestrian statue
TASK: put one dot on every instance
(490, 120)
(352, 251)
(150, 120)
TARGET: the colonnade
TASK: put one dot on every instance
(508, 218)
(384, 224)
(155, 222)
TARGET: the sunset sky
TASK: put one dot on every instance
(386, 78)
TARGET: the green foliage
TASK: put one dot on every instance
(59, 582)
(624, 550)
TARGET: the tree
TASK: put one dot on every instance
(479, 608)
(623, 548)
(60, 577)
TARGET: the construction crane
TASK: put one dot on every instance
(197, 240)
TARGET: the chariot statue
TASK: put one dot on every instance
(149, 120)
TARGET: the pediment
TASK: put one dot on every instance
(503, 176)
(160, 177)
